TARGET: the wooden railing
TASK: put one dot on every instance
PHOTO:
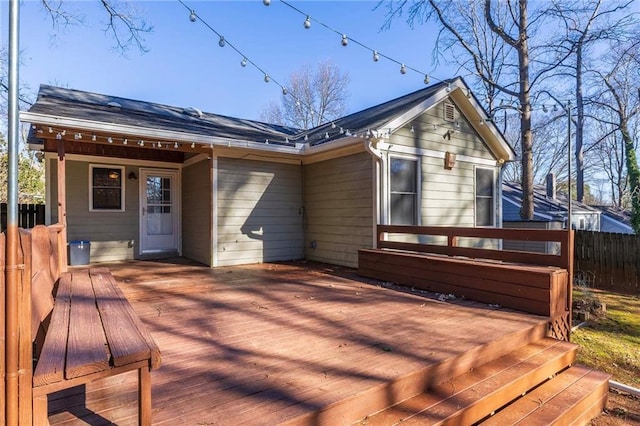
(471, 263)
(41, 255)
(454, 247)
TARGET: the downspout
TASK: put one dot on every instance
(380, 191)
(12, 271)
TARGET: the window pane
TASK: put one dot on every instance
(484, 211)
(403, 175)
(484, 182)
(403, 209)
(107, 198)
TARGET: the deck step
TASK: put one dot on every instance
(470, 397)
(573, 397)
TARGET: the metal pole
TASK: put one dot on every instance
(569, 163)
(12, 273)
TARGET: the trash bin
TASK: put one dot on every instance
(79, 252)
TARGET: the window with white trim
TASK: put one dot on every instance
(106, 188)
(403, 185)
(485, 197)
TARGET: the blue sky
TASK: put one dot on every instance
(186, 67)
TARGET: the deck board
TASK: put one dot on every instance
(267, 344)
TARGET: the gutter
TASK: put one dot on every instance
(89, 125)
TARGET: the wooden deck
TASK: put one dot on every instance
(299, 343)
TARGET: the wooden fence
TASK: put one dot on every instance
(608, 261)
(29, 215)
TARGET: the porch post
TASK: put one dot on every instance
(62, 205)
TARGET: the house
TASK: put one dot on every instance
(139, 179)
(550, 208)
(615, 220)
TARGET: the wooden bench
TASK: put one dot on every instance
(536, 283)
(83, 329)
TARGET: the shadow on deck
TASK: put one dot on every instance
(291, 343)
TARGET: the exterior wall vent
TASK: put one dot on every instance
(449, 112)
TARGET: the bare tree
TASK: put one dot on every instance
(586, 24)
(314, 95)
(620, 97)
(124, 22)
(498, 38)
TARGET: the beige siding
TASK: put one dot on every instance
(463, 140)
(259, 212)
(339, 209)
(196, 212)
(113, 235)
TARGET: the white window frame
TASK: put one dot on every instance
(475, 197)
(418, 194)
(122, 187)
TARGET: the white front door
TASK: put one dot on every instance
(159, 210)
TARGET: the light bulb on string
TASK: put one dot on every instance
(110, 139)
(221, 42)
(193, 145)
(267, 78)
(243, 62)
(192, 16)
(94, 138)
(403, 69)
(266, 2)
(426, 79)
(124, 142)
(175, 145)
(555, 108)
(307, 22)
(376, 56)
(545, 109)
(345, 40)
(284, 91)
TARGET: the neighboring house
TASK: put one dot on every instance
(615, 219)
(550, 208)
(140, 179)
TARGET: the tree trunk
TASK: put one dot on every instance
(525, 119)
(633, 172)
(579, 126)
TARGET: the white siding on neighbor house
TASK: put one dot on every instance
(339, 209)
(259, 212)
(113, 235)
(196, 212)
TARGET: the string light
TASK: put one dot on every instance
(94, 138)
(266, 2)
(376, 56)
(192, 16)
(345, 40)
(110, 139)
(307, 22)
(193, 144)
(426, 79)
(125, 141)
(403, 69)
(221, 42)
(267, 78)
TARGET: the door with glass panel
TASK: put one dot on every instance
(159, 210)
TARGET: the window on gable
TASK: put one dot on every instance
(485, 197)
(106, 190)
(403, 176)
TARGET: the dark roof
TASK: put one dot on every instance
(372, 118)
(544, 207)
(83, 105)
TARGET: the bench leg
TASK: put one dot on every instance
(144, 396)
(40, 411)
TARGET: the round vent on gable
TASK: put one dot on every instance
(114, 104)
(194, 112)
